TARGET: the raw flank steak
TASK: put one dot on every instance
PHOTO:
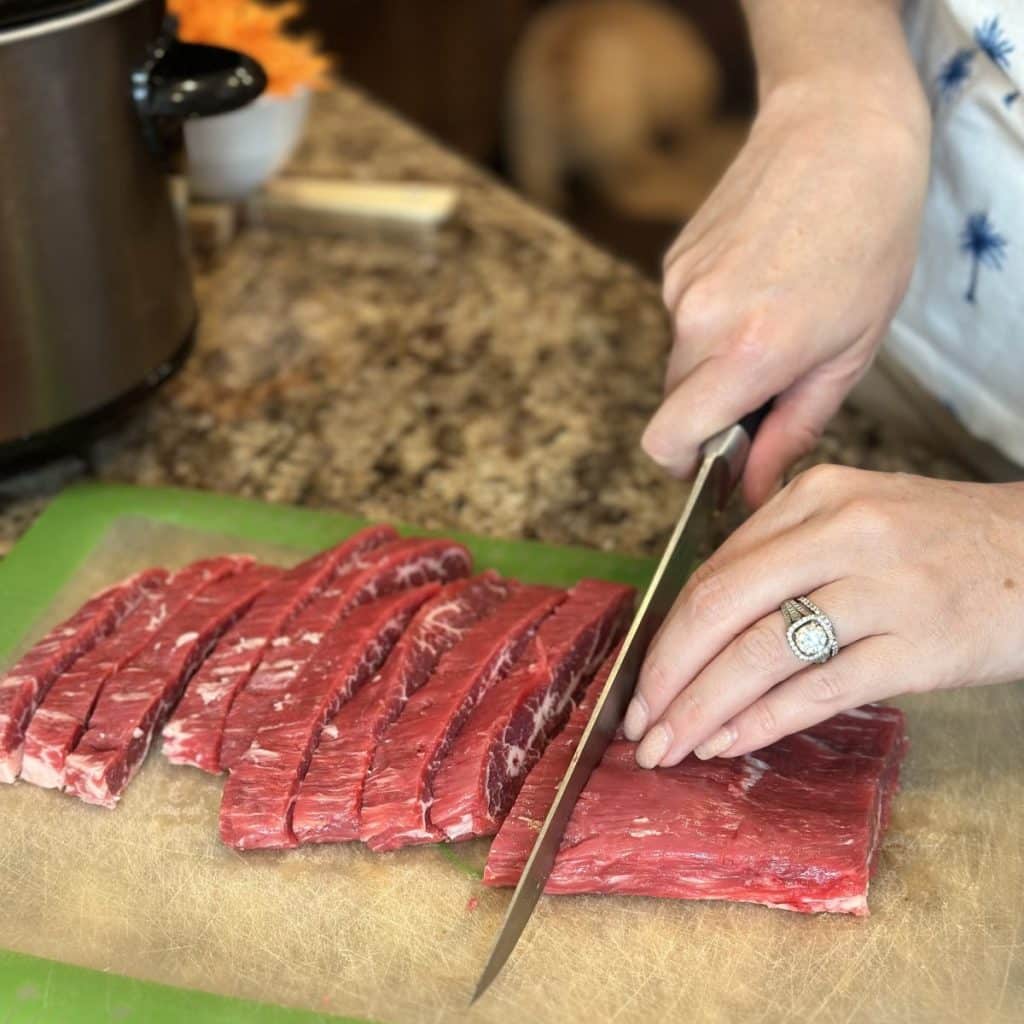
(331, 795)
(63, 715)
(136, 701)
(509, 729)
(28, 682)
(260, 792)
(193, 733)
(399, 792)
(396, 566)
(795, 826)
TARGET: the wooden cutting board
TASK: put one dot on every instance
(147, 891)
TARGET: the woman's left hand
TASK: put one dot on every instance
(922, 579)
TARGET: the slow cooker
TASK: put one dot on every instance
(96, 301)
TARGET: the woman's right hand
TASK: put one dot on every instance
(784, 282)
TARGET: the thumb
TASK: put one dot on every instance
(791, 430)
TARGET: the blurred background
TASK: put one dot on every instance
(617, 114)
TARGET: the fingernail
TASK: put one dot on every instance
(654, 746)
(635, 721)
(718, 744)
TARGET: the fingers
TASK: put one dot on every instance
(713, 396)
(721, 600)
(749, 667)
(792, 430)
(863, 672)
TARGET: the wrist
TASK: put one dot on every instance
(844, 93)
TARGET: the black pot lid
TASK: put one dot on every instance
(19, 13)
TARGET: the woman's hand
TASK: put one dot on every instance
(922, 579)
(784, 282)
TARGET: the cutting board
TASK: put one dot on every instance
(148, 897)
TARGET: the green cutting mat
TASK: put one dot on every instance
(46, 992)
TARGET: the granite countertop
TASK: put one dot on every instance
(493, 376)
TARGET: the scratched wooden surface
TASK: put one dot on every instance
(148, 891)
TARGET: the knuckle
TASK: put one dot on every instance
(672, 281)
(764, 719)
(806, 435)
(658, 682)
(752, 342)
(758, 648)
(819, 482)
(867, 516)
(711, 598)
(697, 305)
(824, 686)
(688, 707)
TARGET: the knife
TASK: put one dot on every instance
(722, 461)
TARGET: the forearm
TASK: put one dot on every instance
(854, 46)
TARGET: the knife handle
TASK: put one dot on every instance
(733, 445)
(753, 420)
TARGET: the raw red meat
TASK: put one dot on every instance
(393, 567)
(27, 683)
(256, 807)
(331, 795)
(509, 729)
(398, 793)
(511, 847)
(64, 713)
(796, 825)
(135, 702)
(193, 733)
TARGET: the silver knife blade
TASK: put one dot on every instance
(721, 467)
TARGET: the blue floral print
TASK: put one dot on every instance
(985, 246)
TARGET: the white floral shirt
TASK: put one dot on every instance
(960, 329)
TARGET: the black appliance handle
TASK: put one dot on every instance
(180, 80)
(196, 80)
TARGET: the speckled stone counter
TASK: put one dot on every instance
(492, 376)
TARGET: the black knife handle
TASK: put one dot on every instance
(733, 446)
(753, 420)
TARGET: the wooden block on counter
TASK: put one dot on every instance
(213, 225)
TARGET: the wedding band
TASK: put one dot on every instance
(809, 631)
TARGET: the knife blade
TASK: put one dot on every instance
(723, 459)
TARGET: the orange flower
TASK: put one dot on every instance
(258, 30)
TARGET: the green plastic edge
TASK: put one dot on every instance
(48, 992)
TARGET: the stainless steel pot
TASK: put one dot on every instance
(96, 303)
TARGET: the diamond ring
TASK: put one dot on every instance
(809, 631)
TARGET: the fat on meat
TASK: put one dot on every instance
(194, 732)
(64, 713)
(795, 826)
(331, 795)
(28, 682)
(393, 567)
(260, 792)
(509, 729)
(136, 701)
(399, 791)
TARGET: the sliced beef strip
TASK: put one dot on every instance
(393, 567)
(193, 733)
(136, 701)
(399, 793)
(509, 729)
(257, 803)
(511, 846)
(331, 795)
(64, 713)
(795, 826)
(28, 682)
